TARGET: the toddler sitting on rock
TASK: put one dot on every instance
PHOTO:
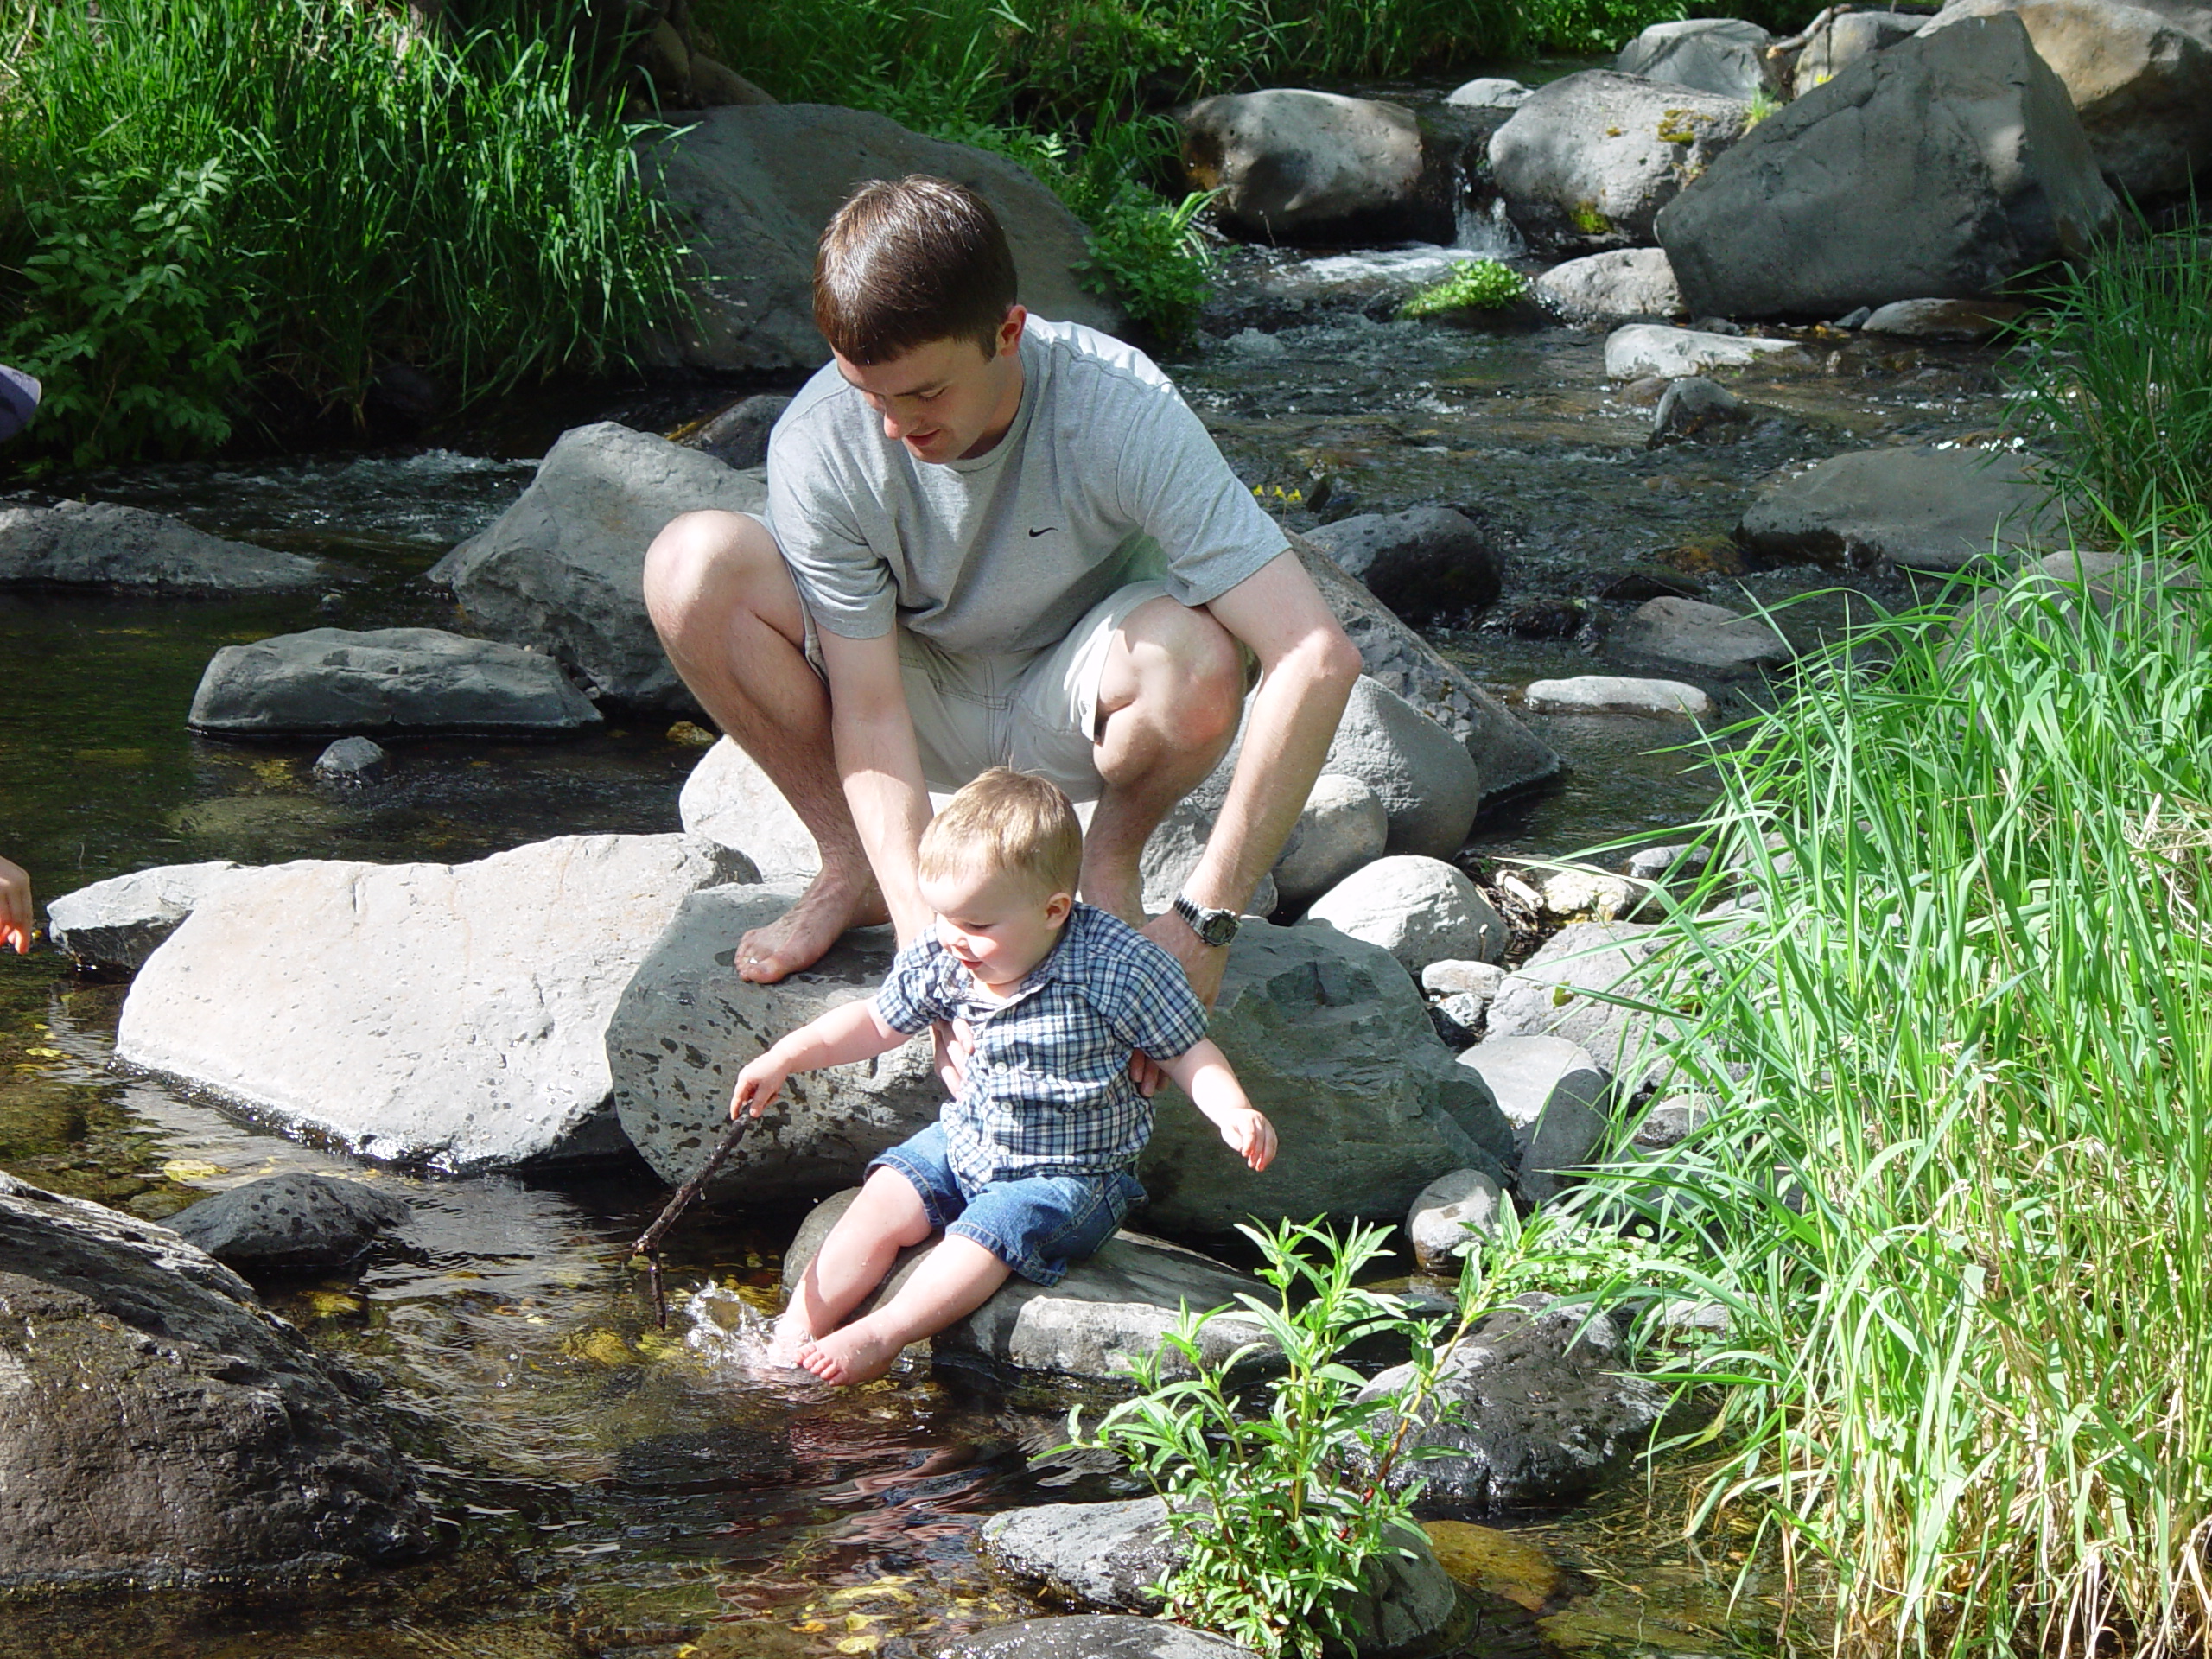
(1028, 1168)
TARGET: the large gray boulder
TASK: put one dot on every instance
(1427, 563)
(120, 922)
(1687, 636)
(1712, 55)
(1843, 38)
(447, 1014)
(1943, 168)
(1305, 167)
(1618, 282)
(686, 1026)
(1920, 508)
(1328, 1036)
(1420, 909)
(1110, 1311)
(1111, 1554)
(1429, 785)
(1331, 1039)
(294, 1220)
(2137, 74)
(1589, 160)
(754, 188)
(100, 545)
(564, 568)
(1535, 1409)
(730, 800)
(385, 680)
(161, 1426)
(1508, 756)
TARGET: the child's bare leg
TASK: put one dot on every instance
(956, 1278)
(882, 1221)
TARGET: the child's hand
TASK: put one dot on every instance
(1249, 1135)
(758, 1085)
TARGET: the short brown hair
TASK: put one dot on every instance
(1006, 821)
(906, 264)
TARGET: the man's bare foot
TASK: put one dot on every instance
(854, 1353)
(801, 935)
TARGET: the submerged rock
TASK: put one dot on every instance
(445, 1015)
(353, 760)
(1533, 1409)
(162, 1426)
(385, 680)
(1834, 201)
(1091, 1636)
(564, 568)
(120, 922)
(1681, 636)
(1110, 1556)
(291, 1221)
(1111, 1310)
(1919, 508)
(1693, 405)
(100, 545)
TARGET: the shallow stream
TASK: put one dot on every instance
(611, 1489)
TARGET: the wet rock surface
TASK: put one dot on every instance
(163, 1427)
(120, 922)
(434, 1014)
(562, 569)
(1686, 636)
(1110, 1311)
(290, 1221)
(1091, 1636)
(1619, 282)
(385, 680)
(102, 544)
(1544, 1414)
(1645, 348)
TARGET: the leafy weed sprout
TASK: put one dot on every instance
(1473, 285)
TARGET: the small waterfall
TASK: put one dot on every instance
(1486, 230)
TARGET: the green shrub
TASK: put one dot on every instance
(1473, 285)
(382, 194)
(1274, 1527)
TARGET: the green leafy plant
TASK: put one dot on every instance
(1763, 104)
(1473, 285)
(136, 317)
(1274, 1527)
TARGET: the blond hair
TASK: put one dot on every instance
(1006, 821)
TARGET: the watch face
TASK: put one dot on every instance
(1218, 927)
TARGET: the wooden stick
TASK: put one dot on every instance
(648, 1244)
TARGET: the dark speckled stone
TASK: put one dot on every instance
(291, 1221)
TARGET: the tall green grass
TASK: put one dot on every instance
(1956, 1191)
(2114, 378)
(353, 192)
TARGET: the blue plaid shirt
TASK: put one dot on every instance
(1047, 1090)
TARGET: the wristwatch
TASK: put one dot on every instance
(1214, 927)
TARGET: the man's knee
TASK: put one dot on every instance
(1190, 672)
(708, 561)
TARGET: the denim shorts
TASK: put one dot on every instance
(1039, 1226)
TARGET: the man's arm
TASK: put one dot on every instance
(881, 766)
(1308, 666)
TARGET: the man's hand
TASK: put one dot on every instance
(758, 1083)
(953, 1042)
(1249, 1135)
(16, 916)
(1202, 964)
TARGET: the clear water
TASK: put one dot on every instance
(611, 1489)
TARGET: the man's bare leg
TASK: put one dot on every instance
(1168, 701)
(882, 1221)
(729, 617)
(958, 1277)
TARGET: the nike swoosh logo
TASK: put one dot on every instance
(1047, 531)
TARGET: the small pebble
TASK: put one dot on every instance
(1451, 978)
(692, 736)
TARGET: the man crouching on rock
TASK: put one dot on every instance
(1030, 1167)
(992, 540)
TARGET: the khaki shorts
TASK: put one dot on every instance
(1034, 710)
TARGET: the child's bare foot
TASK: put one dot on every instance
(854, 1354)
(789, 1336)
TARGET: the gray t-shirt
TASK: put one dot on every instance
(1105, 477)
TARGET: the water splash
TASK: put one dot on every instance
(732, 1336)
(1486, 230)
